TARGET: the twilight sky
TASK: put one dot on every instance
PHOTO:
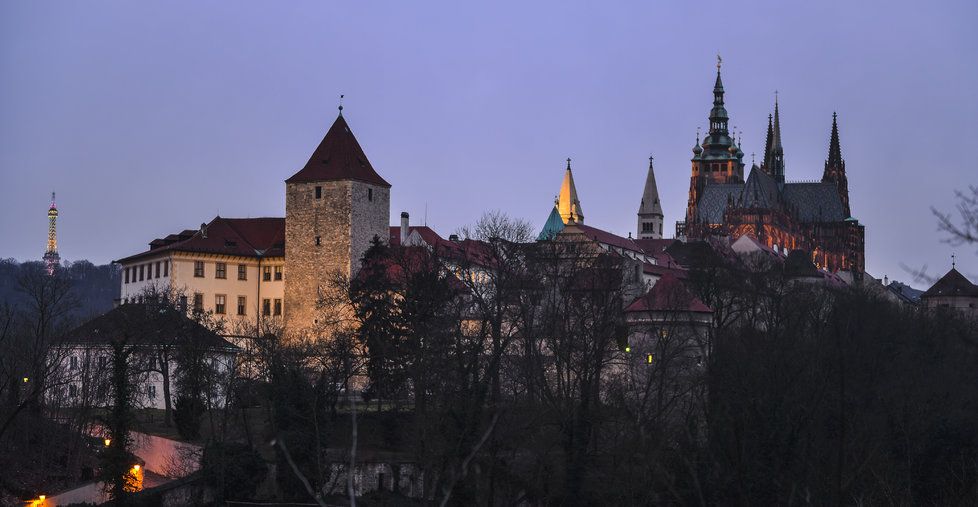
(151, 117)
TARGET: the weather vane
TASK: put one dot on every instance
(341, 104)
(719, 61)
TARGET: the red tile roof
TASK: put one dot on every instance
(244, 237)
(338, 157)
(669, 294)
(427, 234)
(608, 238)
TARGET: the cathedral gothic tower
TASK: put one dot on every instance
(334, 207)
(718, 159)
(835, 167)
(650, 211)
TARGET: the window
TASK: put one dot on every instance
(151, 391)
(370, 194)
(141, 272)
(266, 307)
(266, 273)
(127, 275)
(278, 273)
(220, 303)
(319, 192)
(149, 271)
(157, 269)
(74, 362)
(221, 270)
(278, 307)
(242, 305)
(72, 390)
(242, 272)
(198, 269)
(183, 303)
(166, 268)
(318, 242)
(198, 302)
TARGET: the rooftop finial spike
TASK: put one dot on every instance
(952, 261)
(341, 105)
(568, 163)
(719, 62)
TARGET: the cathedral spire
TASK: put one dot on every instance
(767, 144)
(568, 205)
(718, 115)
(835, 166)
(775, 157)
(650, 211)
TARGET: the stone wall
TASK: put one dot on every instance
(344, 219)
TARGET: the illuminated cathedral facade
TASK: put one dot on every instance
(811, 216)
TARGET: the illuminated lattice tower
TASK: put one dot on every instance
(51, 258)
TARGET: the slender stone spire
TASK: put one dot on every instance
(568, 205)
(776, 162)
(835, 167)
(767, 145)
(650, 211)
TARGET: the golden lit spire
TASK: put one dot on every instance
(568, 205)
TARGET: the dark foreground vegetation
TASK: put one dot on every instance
(506, 372)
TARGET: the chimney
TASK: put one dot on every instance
(405, 229)
(203, 230)
(453, 237)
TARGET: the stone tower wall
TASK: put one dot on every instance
(345, 220)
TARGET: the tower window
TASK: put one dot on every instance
(319, 192)
(370, 194)
(318, 241)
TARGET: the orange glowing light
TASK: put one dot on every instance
(135, 468)
(108, 441)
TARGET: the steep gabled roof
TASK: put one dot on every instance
(669, 294)
(338, 157)
(815, 202)
(952, 284)
(760, 191)
(427, 234)
(244, 237)
(650, 196)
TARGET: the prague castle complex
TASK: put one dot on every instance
(250, 270)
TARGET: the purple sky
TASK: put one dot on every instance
(151, 117)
